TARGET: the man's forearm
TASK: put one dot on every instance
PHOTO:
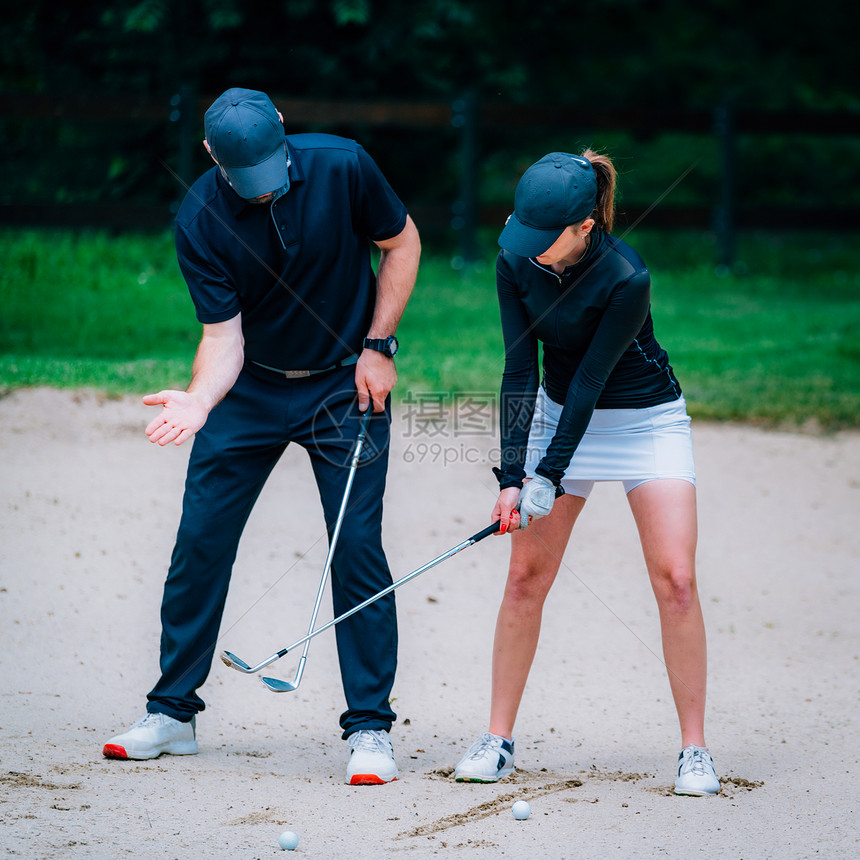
(216, 367)
(395, 279)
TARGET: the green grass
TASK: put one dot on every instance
(762, 348)
(775, 342)
(89, 309)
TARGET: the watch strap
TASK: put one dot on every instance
(381, 344)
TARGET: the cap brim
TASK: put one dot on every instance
(260, 179)
(524, 241)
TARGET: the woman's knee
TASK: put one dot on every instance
(675, 587)
(528, 582)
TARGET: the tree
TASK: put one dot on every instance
(651, 54)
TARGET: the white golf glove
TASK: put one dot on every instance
(536, 499)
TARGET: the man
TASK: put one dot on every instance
(298, 339)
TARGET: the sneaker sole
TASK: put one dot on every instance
(119, 752)
(692, 792)
(483, 779)
(369, 779)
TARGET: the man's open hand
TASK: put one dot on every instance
(182, 415)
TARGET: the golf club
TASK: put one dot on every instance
(235, 662)
(277, 686)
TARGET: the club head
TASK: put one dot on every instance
(234, 662)
(277, 686)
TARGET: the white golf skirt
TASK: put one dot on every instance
(628, 445)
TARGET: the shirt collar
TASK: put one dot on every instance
(238, 204)
(595, 243)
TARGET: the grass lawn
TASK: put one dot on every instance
(776, 341)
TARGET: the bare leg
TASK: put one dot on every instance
(535, 558)
(665, 514)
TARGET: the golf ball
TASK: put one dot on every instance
(288, 840)
(521, 810)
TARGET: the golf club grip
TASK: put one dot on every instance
(365, 421)
(489, 530)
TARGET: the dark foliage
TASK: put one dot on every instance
(660, 55)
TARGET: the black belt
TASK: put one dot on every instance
(300, 374)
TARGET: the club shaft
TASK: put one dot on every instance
(492, 529)
(353, 466)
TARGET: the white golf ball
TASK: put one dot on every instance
(288, 840)
(521, 810)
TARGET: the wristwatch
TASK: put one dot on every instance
(386, 345)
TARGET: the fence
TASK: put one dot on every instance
(472, 121)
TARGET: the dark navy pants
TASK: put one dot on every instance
(232, 456)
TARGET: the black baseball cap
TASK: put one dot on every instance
(246, 137)
(555, 192)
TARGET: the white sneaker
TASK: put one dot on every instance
(489, 759)
(696, 774)
(371, 758)
(151, 736)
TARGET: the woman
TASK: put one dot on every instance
(608, 408)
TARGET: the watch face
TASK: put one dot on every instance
(392, 345)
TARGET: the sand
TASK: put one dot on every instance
(90, 510)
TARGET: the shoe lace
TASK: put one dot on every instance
(149, 719)
(696, 762)
(370, 740)
(487, 742)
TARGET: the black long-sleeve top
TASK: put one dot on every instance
(599, 349)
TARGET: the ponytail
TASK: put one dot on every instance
(604, 207)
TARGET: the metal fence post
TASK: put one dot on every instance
(183, 110)
(464, 116)
(724, 211)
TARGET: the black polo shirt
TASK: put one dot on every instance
(297, 270)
